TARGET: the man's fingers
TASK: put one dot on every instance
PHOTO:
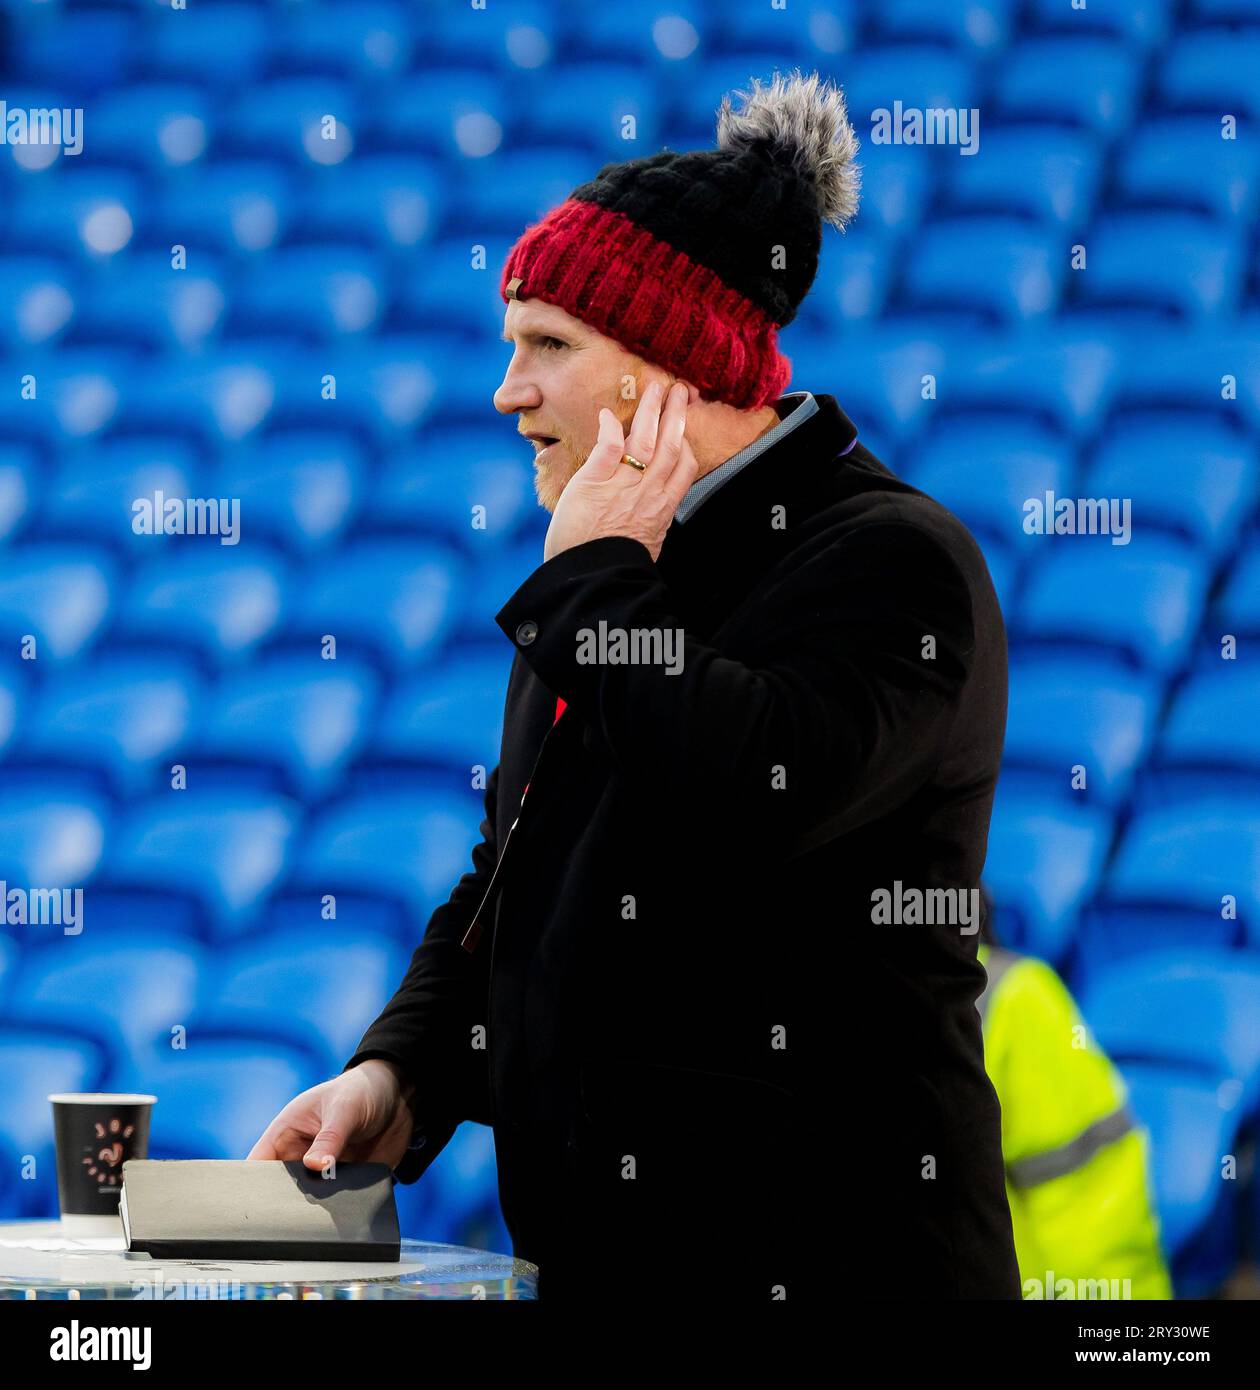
(602, 462)
(328, 1143)
(264, 1148)
(641, 441)
(282, 1139)
(682, 476)
(669, 441)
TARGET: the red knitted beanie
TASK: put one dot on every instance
(694, 260)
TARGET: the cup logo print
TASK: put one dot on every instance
(105, 1164)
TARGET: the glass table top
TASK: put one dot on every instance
(39, 1260)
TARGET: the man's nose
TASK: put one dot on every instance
(515, 394)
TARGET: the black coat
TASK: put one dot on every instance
(709, 1070)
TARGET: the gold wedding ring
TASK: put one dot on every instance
(634, 462)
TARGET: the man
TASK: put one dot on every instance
(758, 681)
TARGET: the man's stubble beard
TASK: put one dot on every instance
(552, 479)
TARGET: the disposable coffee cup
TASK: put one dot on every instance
(96, 1133)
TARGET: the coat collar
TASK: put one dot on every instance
(780, 469)
(793, 410)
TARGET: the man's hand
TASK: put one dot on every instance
(363, 1115)
(607, 497)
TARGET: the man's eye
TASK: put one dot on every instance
(552, 342)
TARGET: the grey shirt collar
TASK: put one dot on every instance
(794, 408)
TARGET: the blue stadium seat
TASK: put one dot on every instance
(127, 991)
(94, 211)
(1193, 478)
(91, 495)
(1063, 713)
(1166, 262)
(1142, 600)
(393, 601)
(1239, 604)
(19, 465)
(323, 291)
(455, 112)
(299, 489)
(145, 304)
(450, 715)
(695, 87)
(1044, 861)
(39, 298)
(298, 718)
(1190, 1123)
(1176, 868)
(495, 580)
(456, 296)
(1050, 173)
(853, 280)
(1181, 163)
(58, 594)
(1000, 267)
(213, 600)
(304, 120)
(465, 1177)
(435, 485)
(215, 1099)
(39, 1062)
(810, 34)
(507, 192)
(1223, 11)
(1182, 367)
(983, 25)
(1004, 572)
(642, 37)
(1101, 96)
(589, 110)
(49, 840)
(224, 394)
(985, 467)
(1059, 378)
(898, 183)
(53, 53)
(388, 386)
(371, 42)
(153, 125)
(237, 205)
(1144, 23)
(386, 202)
(215, 852)
(509, 40)
(10, 956)
(1196, 1008)
(13, 701)
(1206, 71)
(119, 714)
(208, 41)
(877, 377)
(1204, 745)
(917, 75)
(79, 394)
(401, 848)
(316, 987)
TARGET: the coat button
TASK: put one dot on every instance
(526, 633)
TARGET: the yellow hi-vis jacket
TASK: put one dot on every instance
(1077, 1160)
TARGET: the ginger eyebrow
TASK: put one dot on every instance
(533, 333)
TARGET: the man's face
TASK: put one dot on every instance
(559, 376)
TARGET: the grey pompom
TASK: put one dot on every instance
(803, 119)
